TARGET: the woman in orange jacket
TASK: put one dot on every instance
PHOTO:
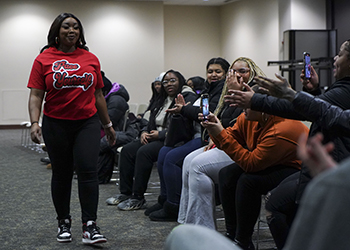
(264, 150)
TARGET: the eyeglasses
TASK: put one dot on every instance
(166, 82)
(241, 70)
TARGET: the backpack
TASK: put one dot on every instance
(105, 166)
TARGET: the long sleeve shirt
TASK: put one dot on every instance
(256, 148)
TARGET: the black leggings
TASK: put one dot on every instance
(240, 195)
(281, 203)
(73, 145)
(136, 162)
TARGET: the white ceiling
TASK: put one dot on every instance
(193, 2)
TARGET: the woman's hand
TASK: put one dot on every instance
(312, 83)
(35, 133)
(232, 81)
(153, 135)
(213, 124)
(315, 155)
(110, 135)
(280, 89)
(179, 103)
(209, 146)
(238, 98)
(143, 138)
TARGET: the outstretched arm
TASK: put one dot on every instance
(278, 88)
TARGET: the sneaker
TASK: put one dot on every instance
(64, 234)
(132, 204)
(117, 199)
(91, 233)
(45, 160)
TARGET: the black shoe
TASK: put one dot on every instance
(248, 246)
(153, 208)
(230, 236)
(91, 233)
(169, 212)
(156, 207)
(64, 233)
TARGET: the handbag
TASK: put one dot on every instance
(180, 131)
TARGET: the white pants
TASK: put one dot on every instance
(200, 172)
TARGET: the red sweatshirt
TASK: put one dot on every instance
(70, 80)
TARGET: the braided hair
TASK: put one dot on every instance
(254, 70)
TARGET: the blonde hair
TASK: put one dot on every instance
(254, 70)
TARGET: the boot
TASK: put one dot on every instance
(169, 212)
(157, 206)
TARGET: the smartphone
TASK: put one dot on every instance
(205, 105)
(307, 65)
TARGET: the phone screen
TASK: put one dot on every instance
(307, 65)
(205, 106)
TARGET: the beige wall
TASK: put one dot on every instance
(128, 38)
(250, 29)
(135, 41)
(300, 14)
(192, 37)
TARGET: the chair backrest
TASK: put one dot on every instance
(141, 108)
(133, 108)
(146, 115)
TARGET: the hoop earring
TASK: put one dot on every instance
(56, 40)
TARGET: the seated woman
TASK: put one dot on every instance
(155, 86)
(137, 157)
(171, 157)
(264, 150)
(117, 98)
(197, 83)
(201, 167)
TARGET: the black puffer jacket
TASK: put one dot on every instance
(228, 115)
(117, 105)
(338, 94)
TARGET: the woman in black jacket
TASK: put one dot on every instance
(155, 86)
(117, 98)
(284, 199)
(170, 157)
(137, 157)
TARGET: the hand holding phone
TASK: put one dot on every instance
(307, 65)
(205, 105)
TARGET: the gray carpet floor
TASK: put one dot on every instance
(27, 215)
